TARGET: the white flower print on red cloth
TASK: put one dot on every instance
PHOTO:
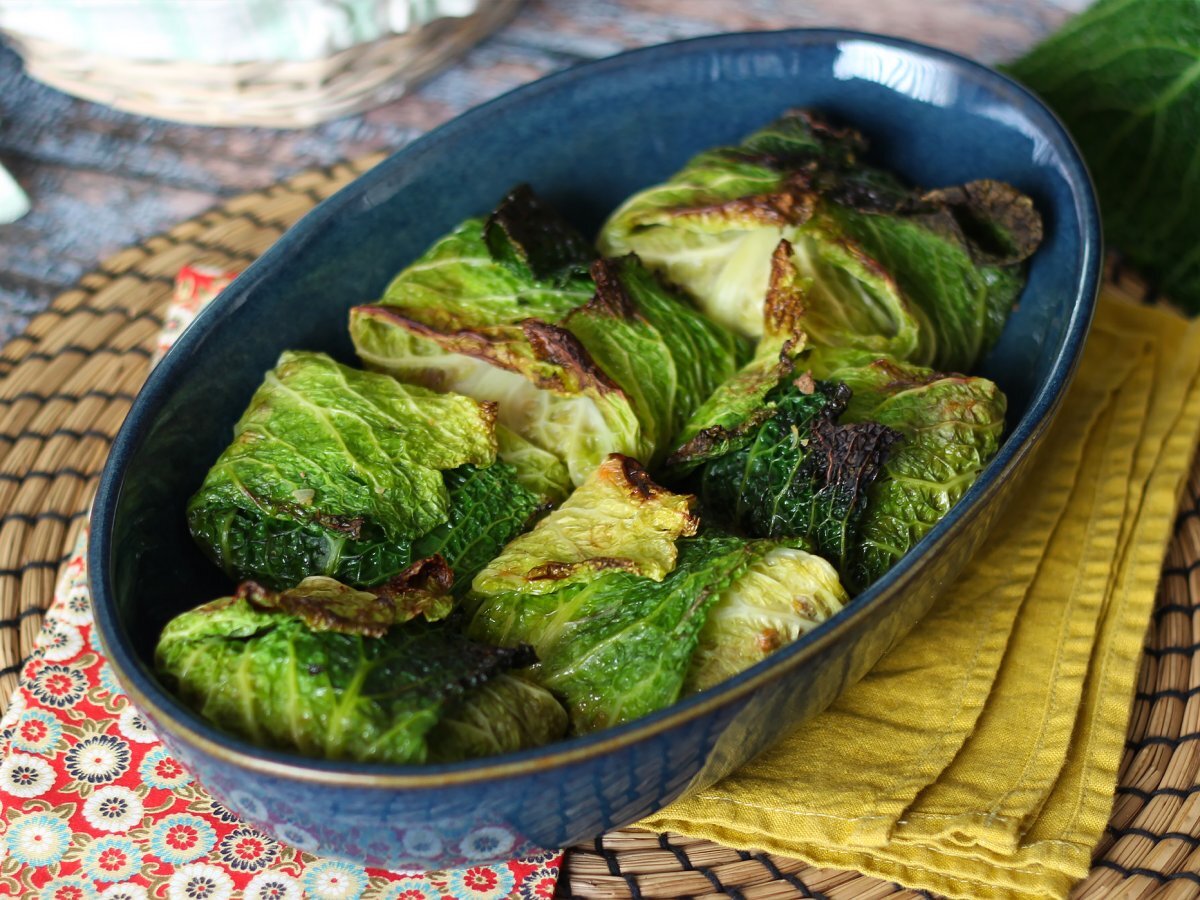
(26, 776)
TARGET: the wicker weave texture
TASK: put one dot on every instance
(67, 383)
(267, 94)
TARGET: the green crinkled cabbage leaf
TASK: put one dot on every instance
(465, 281)
(580, 366)
(782, 596)
(325, 604)
(924, 276)
(573, 416)
(352, 474)
(267, 676)
(863, 462)
(1122, 75)
(489, 507)
(537, 470)
(725, 421)
(666, 357)
(506, 713)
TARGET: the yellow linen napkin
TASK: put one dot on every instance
(979, 758)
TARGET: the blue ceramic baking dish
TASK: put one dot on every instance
(585, 139)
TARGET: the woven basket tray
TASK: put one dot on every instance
(268, 94)
(67, 383)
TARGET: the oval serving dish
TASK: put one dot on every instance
(585, 139)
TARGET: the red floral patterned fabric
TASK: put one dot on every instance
(92, 807)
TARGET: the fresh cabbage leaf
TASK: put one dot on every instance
(951, 427)
(580, 366)
(1122, 77)
(923, 276)
(783, 595)
(617, 519)
(263, 674)
(337, 472)
(617, 646)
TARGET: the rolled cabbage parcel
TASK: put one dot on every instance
(628, 606)
(337, 673)
(927, 277)
(856, 452)
(354, 475)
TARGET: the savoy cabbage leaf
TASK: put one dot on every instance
(617, 646)
(727, 418)
(862, 460)
(802, 474)
(617, 519)
(521, 262)
(547, 392)
(665, 356)
(325, 604)
(505, 713)
(613, 592)
(1124, 77)
(538, 471)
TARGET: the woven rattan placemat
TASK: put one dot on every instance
(67, 383)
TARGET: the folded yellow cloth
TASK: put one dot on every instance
(979, 757)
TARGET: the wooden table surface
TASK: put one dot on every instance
(100, 180)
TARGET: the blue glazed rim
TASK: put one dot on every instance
(159, 704)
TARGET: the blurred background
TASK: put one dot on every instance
(97, 178)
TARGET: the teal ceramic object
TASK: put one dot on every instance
(585, 139)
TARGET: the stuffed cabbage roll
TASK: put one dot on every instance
(862, 462)
(950, 426)
(329, 671)
(857, 452)
(354, 475)
(613, 591)
(583, 356)
(781, 596)
(923, 276)
(801, 473)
